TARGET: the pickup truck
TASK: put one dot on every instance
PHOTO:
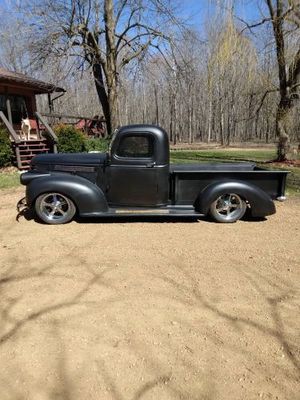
(136, 178)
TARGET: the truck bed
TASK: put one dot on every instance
(187, 180)
(243, 166)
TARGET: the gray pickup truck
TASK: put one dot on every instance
(136, 178)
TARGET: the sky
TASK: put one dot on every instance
(199, 11)
(196, 11)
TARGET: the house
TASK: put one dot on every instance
(18, 101)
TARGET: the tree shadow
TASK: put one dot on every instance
(189, 293)
(75, 300)
(240, 323)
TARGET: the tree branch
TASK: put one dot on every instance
(255, 25)
(135, 54)
(294, 70)
(128, 41)
(119, 13)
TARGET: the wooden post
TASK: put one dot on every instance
(38, 131)
(13, 134)
(48, 128)
(8, 107)
(18, 157)
(50, 104)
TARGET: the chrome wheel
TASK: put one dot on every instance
(54, 208)
(228, 208)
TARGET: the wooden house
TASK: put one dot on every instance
(18, 101)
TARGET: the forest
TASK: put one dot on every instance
(208, 71)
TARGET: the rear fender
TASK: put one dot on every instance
(87, 197)
(260, 202)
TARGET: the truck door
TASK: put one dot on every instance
(133, 173)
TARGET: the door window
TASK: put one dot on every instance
(135, 146)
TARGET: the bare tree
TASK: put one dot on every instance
(218, 85)
(103, 35)
(284, 17)
(285, 14)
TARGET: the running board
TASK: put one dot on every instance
(169, 211)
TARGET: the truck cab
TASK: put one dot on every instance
(135, 178)
(138, 168)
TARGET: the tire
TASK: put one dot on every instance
(54, 208)
(228, 208)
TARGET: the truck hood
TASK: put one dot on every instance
(55, 161)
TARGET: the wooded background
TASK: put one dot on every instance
(230, 79)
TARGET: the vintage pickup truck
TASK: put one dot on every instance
(136, 178)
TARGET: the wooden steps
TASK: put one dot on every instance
(27, 149)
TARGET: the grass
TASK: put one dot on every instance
(222, 155)
(9, 179)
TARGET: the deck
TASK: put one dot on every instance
(45, 141)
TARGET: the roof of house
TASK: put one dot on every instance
(38, 86)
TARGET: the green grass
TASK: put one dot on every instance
(222, 155)
(9, 180)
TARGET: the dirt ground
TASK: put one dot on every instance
(149, 310)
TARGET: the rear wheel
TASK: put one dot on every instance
(55, 208)
(229, 207)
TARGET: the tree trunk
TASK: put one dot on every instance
(267, 129)
(285, 104)
(156, 106)
(281, 130)
(175, 118)
(209, 120)
(111, 64)
(102, 95)
(171, 117)
(113, 107)
(222, 128)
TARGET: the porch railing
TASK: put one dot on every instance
(14, 137)
(10, 128)
(49, 130)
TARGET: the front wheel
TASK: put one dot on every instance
(54, 208)
(228, 208)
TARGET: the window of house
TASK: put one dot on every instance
(136, 146)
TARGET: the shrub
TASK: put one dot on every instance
(6, 153)
(70, 139)
(97, 144)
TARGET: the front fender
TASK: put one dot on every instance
(87, 197)
(260, 202)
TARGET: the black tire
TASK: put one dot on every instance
(228, 208)
(54, 208)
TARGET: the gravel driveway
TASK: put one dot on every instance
(149, 310)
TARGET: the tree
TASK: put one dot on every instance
(105, 36)
(284, 16)
(231, 74)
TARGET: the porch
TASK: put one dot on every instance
(17, 102)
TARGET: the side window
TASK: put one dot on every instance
(136, 146)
